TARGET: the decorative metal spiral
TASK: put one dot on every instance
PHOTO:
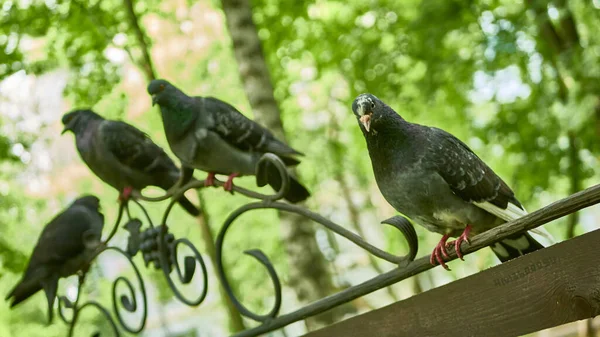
(270, 202)
(160, 248)
(167, 253)
(128, 302)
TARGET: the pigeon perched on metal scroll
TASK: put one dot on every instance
(122, 156)
(208, 134)
(65, 246)
(436, 180)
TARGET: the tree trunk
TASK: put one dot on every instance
(146, 64)
(309, 275)
(235, 318)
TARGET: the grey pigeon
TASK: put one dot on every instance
(211, 135)
(434, 178)
(65, 246)
(122, 156)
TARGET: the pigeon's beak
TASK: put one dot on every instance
(366, 121)
(65, 129)
(154, 99)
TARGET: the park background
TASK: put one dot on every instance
(518, 81)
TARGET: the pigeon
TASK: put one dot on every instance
(65, 246)
(436, 180)
(208, 134)
(122, 156)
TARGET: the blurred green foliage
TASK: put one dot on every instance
(488, 71)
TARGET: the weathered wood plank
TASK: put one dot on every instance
(547, 288)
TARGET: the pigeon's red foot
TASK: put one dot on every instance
(125, 194)
(439, 252)
(462, 238)
(228, 186)
(210, 179)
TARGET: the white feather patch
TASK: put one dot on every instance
(513, 212)
(542, 236)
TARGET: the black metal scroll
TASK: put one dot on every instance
(159, 249)
(271, 202)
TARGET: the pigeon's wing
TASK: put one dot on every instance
(243, 133)
(62, 238)
(134, 149)
(61, 241)
(468, 176)
(472, 180)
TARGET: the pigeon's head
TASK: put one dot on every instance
(77, 120)
(367, 109)
(161, 91)
(89, 201)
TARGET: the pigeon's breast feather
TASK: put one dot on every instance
(427, 199)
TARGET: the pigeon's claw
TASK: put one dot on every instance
(228, 186)
(464, 237)
(439, 252)
(210, 179)
(125, 194)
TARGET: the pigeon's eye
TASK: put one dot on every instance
(372, 105)
(161, 87)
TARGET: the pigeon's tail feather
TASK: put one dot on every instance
(289, 161)
(188, 206)
(296, 193)
(281, 149)
(515, 246)
(184, 202)
(23, 291)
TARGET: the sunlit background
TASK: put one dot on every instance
(489, 71)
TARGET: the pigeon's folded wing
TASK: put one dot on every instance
(244, 133)
(133, 148)
(468, 176)
(472, 180)
(62, 238)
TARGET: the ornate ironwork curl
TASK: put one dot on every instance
(168, 258)
(160, 249)
(270, 202)
(128, 301)
(64, 302)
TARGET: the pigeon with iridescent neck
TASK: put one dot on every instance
(208, 134)
(436, 180)
(122, 156)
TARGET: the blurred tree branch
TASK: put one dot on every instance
(563, 47)
(147, 64)
(236, 323)
(551, 42)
